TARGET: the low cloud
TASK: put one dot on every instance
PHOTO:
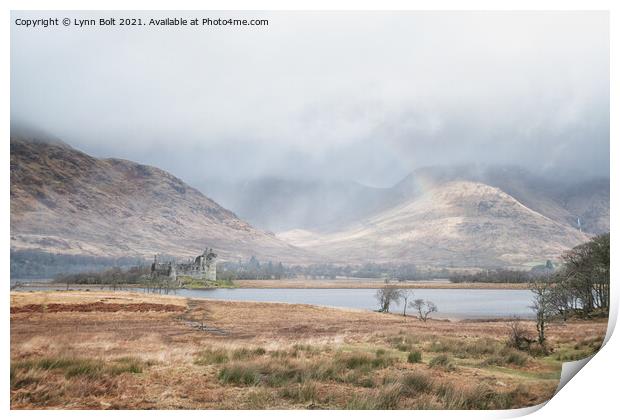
(361, 96)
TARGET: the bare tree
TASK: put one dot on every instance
(387, 296)
(424, 308)
(517, 335)
(407, 296)
(543, 306)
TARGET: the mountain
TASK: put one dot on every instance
(447, 223)
(560, 199)
(66, 202)
(279, 204)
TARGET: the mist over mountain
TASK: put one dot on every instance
(64, 201)
(453, 223)
(394, 92)
(279, 204)
(561, 198)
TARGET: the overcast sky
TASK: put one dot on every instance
(360, 96)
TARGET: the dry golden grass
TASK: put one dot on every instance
(217, 354)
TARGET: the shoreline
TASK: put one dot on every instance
(304, 284)
(371, 284)
(142, 294)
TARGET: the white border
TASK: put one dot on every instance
(592, 394)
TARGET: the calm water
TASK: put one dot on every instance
(452, 303)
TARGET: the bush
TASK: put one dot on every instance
(72, 367)
(539, 350)
(507, 357)
(211, 357)
(416, 382)
(516, 358)
(282, 374)
(414, 357)
(518, 336)
(246, 353)
(442, 361)
(302, 393)
(362, 361)
(238, 374)
(129, 364)
(387, 398)
(89, 368)
(403, 347)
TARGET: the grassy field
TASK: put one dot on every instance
(129, 350)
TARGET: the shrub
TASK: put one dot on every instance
(479, 347)
(211, 357)
(362, 361)
(539, 350)
(480, 397)
(279, 354)
(507, 357)
(89, 368)
(279, 375)
(258, 399)
(302, 393)
(403, 347)
(246, 353)
(238, 374)
(387, 398)
(414, 357)
(516, 358)
(518, 336)
(366, 382)
(442, 361)
(128, 364)
(361, 401)
(416, 382)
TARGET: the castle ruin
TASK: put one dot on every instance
(201, 268)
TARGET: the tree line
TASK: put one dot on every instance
(501, 275)
(579, 288)
(116, 275)
(31, 264)
(255, 269)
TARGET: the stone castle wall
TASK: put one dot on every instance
(203, 268)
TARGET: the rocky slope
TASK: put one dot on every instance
(279, 204)
(65, 201)
(560, 199)
(453, 223)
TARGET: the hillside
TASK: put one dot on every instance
(279, 204)
(559, 199)
(457, 223)
(67, 202)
